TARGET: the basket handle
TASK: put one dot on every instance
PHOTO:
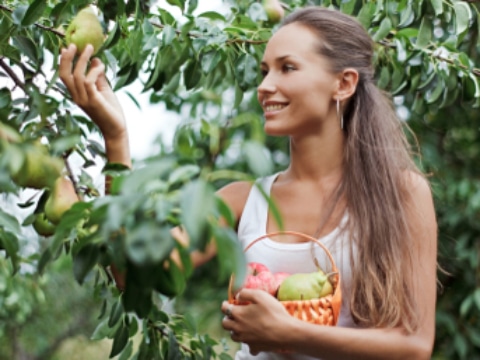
(296, 233)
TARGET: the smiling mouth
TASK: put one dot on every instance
(275, 107)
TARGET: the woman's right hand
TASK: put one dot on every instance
(91, 91)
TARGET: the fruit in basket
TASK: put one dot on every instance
(279, 277)
(305, 286)
(260, 277)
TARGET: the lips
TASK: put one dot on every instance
(271, 107)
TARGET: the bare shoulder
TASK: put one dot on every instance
(418, 186)
(235, 195)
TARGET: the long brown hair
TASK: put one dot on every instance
(377, 159)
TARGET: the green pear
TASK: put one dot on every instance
(9, 134)
(61, 199)
(85, 29)
(43, 226)
(274, 10)
(38, 169)
(305, 286)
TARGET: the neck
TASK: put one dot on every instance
(317, 156)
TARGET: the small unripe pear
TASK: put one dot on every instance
(61, 199)
(38, 170)
(43, 226)
(85, 29)
(274, 10)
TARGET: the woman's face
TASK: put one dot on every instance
(297, 92)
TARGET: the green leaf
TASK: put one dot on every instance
(84, 261)
(258, 158)
(466, 306)
(212, 15)
(10, 243)
(192, 74)
(366, 13)
(407, 16)
(476, 297)
(210, 60)
(127, 352)
(231, 255)
(119, 341)
(148, 243)
(463, 16)
(183, 173)
(246, 71)
(425, 33)
(102, 331)
(115, 313)
(173, 347)
(437, 6)
(9, 223)
(26, 46)
(383, 30)
(35, 10)
(197, 201)
(168, 34)
(434, 94)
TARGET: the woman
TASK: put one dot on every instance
(351, 183)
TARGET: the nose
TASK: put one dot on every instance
(266, 87)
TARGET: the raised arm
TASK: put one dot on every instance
(273, 328)
(89, 89)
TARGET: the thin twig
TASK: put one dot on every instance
(43, 27)
(165, 334)
(12, 75)
(71, 177)
(474, 71)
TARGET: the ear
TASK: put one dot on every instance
(347, 84)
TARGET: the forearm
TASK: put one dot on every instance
(347, 343)
(118, 150)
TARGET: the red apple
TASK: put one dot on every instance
(259, 277)
(255, 268)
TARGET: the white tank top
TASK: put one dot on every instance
(291, 258)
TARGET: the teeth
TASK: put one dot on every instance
(274, 107)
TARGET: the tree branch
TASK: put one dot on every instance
(474, 71)
(12, 75)
(163, 333)
(40, 26)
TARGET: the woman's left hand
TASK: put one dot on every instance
(260, 324)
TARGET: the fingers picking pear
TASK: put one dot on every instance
(61, 199)
(304, 286)
(84, 29)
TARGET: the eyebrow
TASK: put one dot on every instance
(278, 59)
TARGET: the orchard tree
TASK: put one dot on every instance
(204, 66)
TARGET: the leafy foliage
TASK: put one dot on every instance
(205, 66)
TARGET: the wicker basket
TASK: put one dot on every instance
(323, 311)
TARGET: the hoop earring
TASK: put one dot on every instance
(339, 115)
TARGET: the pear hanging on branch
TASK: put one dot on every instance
(84, 29)
(38, 169)
(61, 199)
(43, 226)
(274, 10)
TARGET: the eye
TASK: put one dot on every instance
(263, 72)
(288, 68)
